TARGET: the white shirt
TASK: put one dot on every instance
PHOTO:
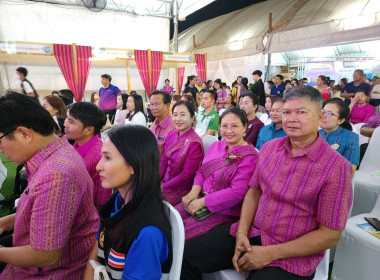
(138, 118)
(27, 87)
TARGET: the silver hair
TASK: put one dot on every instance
(310, 93)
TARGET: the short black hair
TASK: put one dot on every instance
(89, 114)
(167, 80)
(257, 72)
(213, 94)
(165, 96)
(22, 70)
(106, 76)
(189, 106)
(280, 76)
(20, 110)
(237, 112)
(270, 82)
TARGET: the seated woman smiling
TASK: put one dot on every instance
(134, 232)
(222, 181)
(182, 155)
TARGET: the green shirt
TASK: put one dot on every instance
(206, 122)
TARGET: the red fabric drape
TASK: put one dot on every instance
(65, 59)
(142, 63)
(201, 66)
(83, 61)
(181, 73)
(156, 69)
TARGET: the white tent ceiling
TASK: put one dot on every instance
(297, 24)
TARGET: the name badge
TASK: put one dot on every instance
(335, 146)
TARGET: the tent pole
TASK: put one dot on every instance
(6, 75)
(267, 73)
(176, 80)
(175, 21)
(128, 78)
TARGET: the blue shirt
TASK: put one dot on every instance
(344, 142)
(351, 88)
(147, 253)
(108, 97)
(277, 90)
(268, 133)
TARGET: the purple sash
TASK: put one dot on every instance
(227, 165)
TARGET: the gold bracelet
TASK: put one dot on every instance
(245, 232)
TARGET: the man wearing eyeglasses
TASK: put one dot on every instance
(56, 221)
(159, 106)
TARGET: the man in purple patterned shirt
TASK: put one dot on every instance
(56, 222)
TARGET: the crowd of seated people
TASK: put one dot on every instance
(262, 199)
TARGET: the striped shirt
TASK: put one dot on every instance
(56, 211)
(268, 133)
(344, 142)
(160, 130)
(299, 193)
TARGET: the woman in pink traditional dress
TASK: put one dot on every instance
(183, 154)
(222, 181)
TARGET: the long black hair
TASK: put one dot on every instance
(124, 97)
(139, 106)
(344, 111)
(139, 148)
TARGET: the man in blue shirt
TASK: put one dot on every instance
(349, 89)
(273, 130)
(108, 97)
(278, 87)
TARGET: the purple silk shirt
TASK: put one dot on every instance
(56, 211)
(299, 193)
(227, 201)
(91, 154)
(183, 181)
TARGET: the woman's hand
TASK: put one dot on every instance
(193, 194)
(195, 205)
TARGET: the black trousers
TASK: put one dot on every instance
(6, 241)
(214, 251)
(111, 115)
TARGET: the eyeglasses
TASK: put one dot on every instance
(329, 114)
(9, 132)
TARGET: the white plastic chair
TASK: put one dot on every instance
(208, 140)
(357, 253)
(321, 273)
(367, 186)
(362, 139)
(178, 243)
(3, 173)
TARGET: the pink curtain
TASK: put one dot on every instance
(201, 66)
(142, 63)
(156, 69)
(83, 61)
(65, 59)
(181, 72)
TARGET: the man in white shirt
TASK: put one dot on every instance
(26, 85)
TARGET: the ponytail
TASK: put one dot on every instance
(346, 124)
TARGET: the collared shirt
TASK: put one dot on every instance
(344, 142)
(206, 122)
(183, 180)
(276, 90)
(227, 201)
(252, 131)
(108, 97)
(91, 154)
(55, 212)
(373, 121)
(168, 89)
(161, 129)
(268, 133)
(299, 193)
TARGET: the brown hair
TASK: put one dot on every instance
(93, 96)
(57, 103)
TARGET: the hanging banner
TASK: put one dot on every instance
(109, 54)
(178, 57)
(13, 47)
